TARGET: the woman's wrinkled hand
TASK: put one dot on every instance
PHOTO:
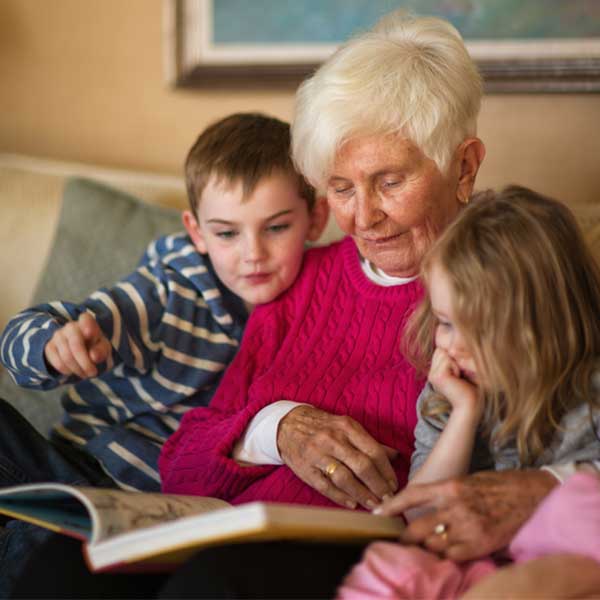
(472, 516)
(336, 456)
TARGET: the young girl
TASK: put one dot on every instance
(510, 332)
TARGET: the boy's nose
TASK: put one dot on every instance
(254, 249)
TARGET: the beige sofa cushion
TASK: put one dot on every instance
(100, 236)
(30, 199)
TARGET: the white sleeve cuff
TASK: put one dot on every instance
(258, 445)
(563, 471)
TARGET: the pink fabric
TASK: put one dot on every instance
(332, 340)
(389, 570)
(568, 521)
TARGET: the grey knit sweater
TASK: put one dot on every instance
(577, 440)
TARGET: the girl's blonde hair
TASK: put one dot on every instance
(527, 299)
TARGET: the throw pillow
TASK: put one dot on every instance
(101, 235)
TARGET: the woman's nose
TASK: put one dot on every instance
(367, 210)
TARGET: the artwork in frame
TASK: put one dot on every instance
(519, 45)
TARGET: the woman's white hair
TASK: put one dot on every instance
(409, 75)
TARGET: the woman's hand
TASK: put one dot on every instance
(336, 456)
(445, 377)
(472, 516)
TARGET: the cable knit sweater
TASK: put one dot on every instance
(333, 341)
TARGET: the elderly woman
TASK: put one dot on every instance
(319, 405)
(396, 153)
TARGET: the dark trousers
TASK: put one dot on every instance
(28, 457)
(248, 570)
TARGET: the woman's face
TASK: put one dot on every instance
(392, 200)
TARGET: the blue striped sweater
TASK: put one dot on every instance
(173, 327)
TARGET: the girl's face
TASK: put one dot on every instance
(448, 335)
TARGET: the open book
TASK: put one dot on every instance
(136, 531)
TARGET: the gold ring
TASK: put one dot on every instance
(330, 468)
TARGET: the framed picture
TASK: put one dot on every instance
(519, 45)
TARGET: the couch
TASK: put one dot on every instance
(69, 228)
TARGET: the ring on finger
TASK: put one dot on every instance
(331, 468)
(441, 530)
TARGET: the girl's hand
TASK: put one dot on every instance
(444, 376)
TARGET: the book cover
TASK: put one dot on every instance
(137, 531)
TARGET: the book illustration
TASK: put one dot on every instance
(95, 514)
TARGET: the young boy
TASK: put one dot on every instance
(145, 351)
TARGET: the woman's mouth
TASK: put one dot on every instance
(382, 241)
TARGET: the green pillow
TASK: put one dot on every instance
(101, 235)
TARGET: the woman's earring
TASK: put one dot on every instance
(463, 200)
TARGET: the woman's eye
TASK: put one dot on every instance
(392, 183)
(343, 190)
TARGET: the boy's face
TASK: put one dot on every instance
(255, 246)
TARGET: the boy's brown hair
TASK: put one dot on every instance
(244, 147)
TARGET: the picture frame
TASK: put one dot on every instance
(195, 58)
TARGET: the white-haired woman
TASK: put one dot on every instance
(319, 405)
(386, 129)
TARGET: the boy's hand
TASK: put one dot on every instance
(444, 376)
(77, 347)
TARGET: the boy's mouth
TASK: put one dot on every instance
(257, 278)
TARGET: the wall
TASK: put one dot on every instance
(82, 80)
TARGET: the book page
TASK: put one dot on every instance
(95, 514)
(121, 511)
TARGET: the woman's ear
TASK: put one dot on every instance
(191, 226)
(470, 155)
(319, 215)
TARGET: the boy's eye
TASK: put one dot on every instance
(226, 234)
(277, 228)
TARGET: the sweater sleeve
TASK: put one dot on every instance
(196, 459)
(129, 314)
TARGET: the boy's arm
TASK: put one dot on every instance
(23, 342)
(128, 314)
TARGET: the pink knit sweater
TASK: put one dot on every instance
(332, 340)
